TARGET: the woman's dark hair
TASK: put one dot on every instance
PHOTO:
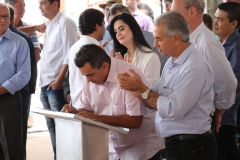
(138, 37)
(88, 20)
(92, 54)
(11, 10)
(208, 20)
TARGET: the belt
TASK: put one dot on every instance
(181, 137)
(5, 95)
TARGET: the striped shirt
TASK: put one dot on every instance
(33, 36)
(186, 95)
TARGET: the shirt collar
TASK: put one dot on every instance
(89, 38)
(7, 34)
(231, 38)
(136, 13)
(196, 33)
(55, 19)
(112, 71)
(181, 59)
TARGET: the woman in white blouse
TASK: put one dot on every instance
(130, 43)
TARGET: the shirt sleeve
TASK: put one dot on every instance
(152, 70)
(225, 82)
(34, 39)
(134, 107)
(69, 38)
(183, 96)
(235, 64)
(84, 101)
(23, 69)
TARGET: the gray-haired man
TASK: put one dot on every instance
(184, 95)
(206, 43)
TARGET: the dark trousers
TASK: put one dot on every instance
(26, 110)
(238, 124)
(52, 100)
(203, 148)
(25, 95)
(11, 128)
(226, 143)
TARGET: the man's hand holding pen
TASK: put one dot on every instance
(68, 108)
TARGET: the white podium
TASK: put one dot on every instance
(79, 138)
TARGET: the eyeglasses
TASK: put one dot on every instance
(185, 8)
(5, 17)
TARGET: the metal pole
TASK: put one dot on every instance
(161, 6)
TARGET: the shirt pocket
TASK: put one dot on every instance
(7, 57)
(119, 109)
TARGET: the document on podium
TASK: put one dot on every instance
(70, 116)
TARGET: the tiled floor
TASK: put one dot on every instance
(39, 146)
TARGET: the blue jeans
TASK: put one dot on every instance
(53, 100)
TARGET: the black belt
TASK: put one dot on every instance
(181, 137)
(5, 95)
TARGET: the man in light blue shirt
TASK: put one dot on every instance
(184, 95)
(15, 74)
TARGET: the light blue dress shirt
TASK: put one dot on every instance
(109, 45)
(186, 95)
(14, 62)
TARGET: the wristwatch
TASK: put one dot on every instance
(144, 95)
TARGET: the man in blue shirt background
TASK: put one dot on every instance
(226, 22)
(15, 74)
(28, 89)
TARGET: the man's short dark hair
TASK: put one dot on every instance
(11, 10)
(117, 7)
(92, 54)
(89, 19)
(51, 1)
(233, 10)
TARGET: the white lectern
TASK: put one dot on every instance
(79, 138)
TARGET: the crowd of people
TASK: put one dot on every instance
(173, 81)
